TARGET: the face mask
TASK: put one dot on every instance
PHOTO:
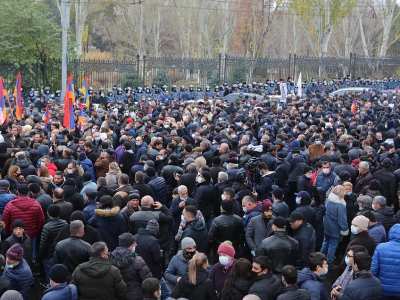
(245, 209)
(298, 200)
(133, 249)
(354, 229)
(323, 272)
(8, 266)
(223, 198)
(138, 144)
(347, 260)
(224, 260)
(199, 179)
(188, 255)
(326, 170)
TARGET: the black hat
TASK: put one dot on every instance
(18, 223)
(59, 273)
(126, 239)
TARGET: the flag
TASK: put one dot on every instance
(299, 87)
(82, 118)
(19, 101)
(69, 100)
(3, 111)
(85, 92)
(46, 115)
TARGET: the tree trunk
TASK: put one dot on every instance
(81, 10)
(387, 21)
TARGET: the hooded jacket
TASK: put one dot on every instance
(197, 230)
(386, 262)
(309, 281)
(202, 290)
(20, 278)
(98, 279)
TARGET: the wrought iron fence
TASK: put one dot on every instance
(145, 71)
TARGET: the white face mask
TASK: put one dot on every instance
(224, 260)
(298, 200)
(354, 229)
(245, 209)
(223, 198)
(323, 272)
(347, 260)
(199, 179)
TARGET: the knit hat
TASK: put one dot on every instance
(15, 252)
(4, 185)
(153, 227)
(11, 295)
(126, 239)
(266, 205)
(59, 273)
(361, 222)
(18, 223)
(227, 249)
(187, 242)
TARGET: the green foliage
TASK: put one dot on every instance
(29, 34)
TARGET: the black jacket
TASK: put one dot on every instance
(133, 271)
(308, 212)
(49, 233)
(281, 248)
(385, 216)
(197, 230)
(365, 286)
(99, 279)
(266, 286)
(294, 293)
(91, 234)
(305, 236)
(389, 183)
(226, 227)
(66, 209)
(148, 247)
(25, 241)
(240, 288)
(201, 291)
(206, 197)
(71, 252)
(363, 239)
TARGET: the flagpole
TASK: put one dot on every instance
(65, 8)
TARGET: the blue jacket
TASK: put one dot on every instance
(177, 267)
(324, 182)
(386, 262)
(20, 278)
(335, 219)
(251, 214)
(63, 291)
(4, 199)
(378, 233)
(309, 281)
(365, 287)
(88, 167)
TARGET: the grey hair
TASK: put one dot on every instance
(364, 165)
(380, 200)
(364, 201)
(223, 176)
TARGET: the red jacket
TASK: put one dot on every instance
(29, 211)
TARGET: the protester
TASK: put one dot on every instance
(59, 287)
(238, 281)
(266, 285)
(290, 290)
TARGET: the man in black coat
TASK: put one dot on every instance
(72, 251)
(195, 228)
(206, 196)
(388, 180)
(304, 234)
(266, 285)
(148, 247)
(281, 248)
(226, 227)
(291, 290)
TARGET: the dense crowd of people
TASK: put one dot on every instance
(210, 199)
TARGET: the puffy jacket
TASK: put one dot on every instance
(4, 199)
(378, 233)
(71, 252)
(177, 267)
(66, 209)
(309, 281)
(226, 227)
(335, 219)
(281, 248)
(266, 286)
(20, 278)
(202, 290)
(63, 291)
(294, 293)
(257, 230)
(133, 271)
(110, 225)
(98, 279)
(365, 286)
(49, 233)
(88, 167)
(306, 238)
(29, 211)
(160, 188)
(386, 262)
(197, 230)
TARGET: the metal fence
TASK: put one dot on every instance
(144, 71)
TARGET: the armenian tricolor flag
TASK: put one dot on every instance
(85, 92)
(19, 101)
(3, 111)
(69, 100)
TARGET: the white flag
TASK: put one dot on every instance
(284, 91)
(299, 87)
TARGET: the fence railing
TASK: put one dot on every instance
(145, 71)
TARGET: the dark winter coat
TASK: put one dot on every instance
(197, 230)
(218, 275)
(177, 267)
(365, 240)
(206, 197)
(282, 249)
(66, 209)
(71, 252)
(385, 216)
(257, 230)
(49, 233)
(267, 286)
(238, 290)
(20, 278)
(148, 247)
(387, 180)
(226, 227)
(63, 291)
(133, 271)
(202, 290)
(294, 293)
(98, 279)
(313, 284)
(306, 238)
(25, 241)
(365, 286)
